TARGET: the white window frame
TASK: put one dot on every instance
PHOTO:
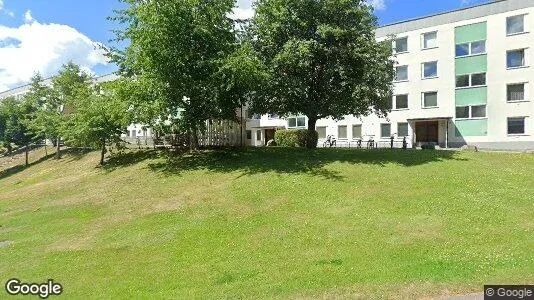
(423, 40)
(423, 70)
(525, 92)
(407, 129)
(471, 49)
(407, 74)
(385, 137)
(523, 16)
(525, 59)
(395, 106)
(524, 126)
(346, 132)
(296, 121)
(325, 131)
(471, 81)
(361, 131)
(407, 45)
(423, 99)
(470, 112)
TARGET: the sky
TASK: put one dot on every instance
(42, 35)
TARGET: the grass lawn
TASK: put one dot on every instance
(271, 223)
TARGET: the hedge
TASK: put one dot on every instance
(291, 137)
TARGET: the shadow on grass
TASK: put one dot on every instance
(121, 160)
(19, 168)
(292, 160)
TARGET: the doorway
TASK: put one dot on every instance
(427, 132)
(269, 135)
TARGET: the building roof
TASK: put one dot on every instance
(462, 14)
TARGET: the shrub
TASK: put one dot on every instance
(291, 138)
(428, 147)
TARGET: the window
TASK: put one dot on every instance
(515, 25)
(478, 111)
(401, 102)
(478, 47)
(478, 79)
(430, 40)
(401, 45)
(294, 122)
(342, 132)
(134, 133)
(471, 80)
(273, 116)
(258, 135)
(516, 125)
(385, 130)
(473, 48)
(321, 131)
(515, 92)
(462, 50)
(356, 131)
(462, 112)
(462, 81)
(430, 99)
(467, 112)
(401, 73)
(515, 58)
(249, 134)
(402, 129)
(430, 69)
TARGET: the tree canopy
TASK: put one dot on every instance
(178, 50)
(322, 60)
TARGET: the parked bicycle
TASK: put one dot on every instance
(330, 142)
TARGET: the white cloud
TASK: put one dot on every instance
(378, 4)
(35, 47)
(1, 4)
(242, 13)
(28, 17)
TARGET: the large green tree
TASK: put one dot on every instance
(177, 49)
(15, 118)
(69, 88)
(98, 120)
(43, 121)
(322, 59)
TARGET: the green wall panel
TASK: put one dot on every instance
(471, 33)
(471, 96)
(471, 127)
(472, 64)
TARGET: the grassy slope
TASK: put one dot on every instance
(272, 223)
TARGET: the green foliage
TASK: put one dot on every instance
(322, 60)
(291, 137)
(180, 50)
(44, 120)
(98, 120)
(14, 116)
(428, 147)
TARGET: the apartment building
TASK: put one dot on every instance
(462, 77)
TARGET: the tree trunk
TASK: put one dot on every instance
(58, 150)
(26, 154)
(311, 140)
(193, 143)
(103, 152)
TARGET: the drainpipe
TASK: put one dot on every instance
(447, 135)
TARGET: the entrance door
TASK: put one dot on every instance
(427, 132)
(269, 135)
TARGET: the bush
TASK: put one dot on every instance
(428, 147)
(291, 138)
